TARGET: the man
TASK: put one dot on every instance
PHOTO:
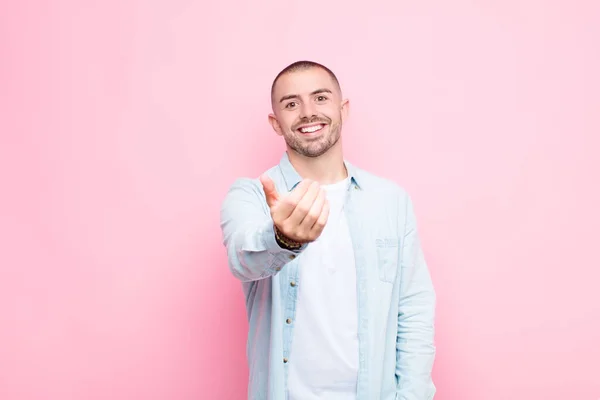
(339, 299)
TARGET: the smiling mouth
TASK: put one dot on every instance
(311, 128)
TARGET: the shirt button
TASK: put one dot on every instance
(278, 269)
(292, 283)
(285, 360)
(288, 321)
(292, 256)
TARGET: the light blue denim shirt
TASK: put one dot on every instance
(396, 298)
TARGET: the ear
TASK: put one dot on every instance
(275, 124)
(345, 109)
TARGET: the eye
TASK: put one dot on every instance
(291, 104)
(321, 98)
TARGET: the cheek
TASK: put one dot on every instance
(289, 121)
(332, 113)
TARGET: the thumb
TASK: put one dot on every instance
(270, 191)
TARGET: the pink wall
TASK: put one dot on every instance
(123, 123)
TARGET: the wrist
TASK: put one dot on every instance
(285, 242)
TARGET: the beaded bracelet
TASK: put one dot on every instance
(289, 244)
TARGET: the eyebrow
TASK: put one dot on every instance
(295, 96)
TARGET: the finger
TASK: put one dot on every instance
(300, 190)
(289, 202)
(315, 211)
(305, 204)
(322, 220)
(270, 190)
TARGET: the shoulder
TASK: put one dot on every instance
(251, 185)
(245, 184)
(379, 185)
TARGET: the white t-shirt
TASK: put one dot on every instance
(324, 354)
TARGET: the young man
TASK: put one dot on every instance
(338, 295)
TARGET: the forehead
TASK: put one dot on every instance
(304, 81)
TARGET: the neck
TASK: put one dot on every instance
(326, 169)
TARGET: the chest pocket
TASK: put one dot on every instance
(387, 258)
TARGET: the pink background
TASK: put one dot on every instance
(123, 123)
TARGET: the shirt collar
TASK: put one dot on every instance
(292, 178)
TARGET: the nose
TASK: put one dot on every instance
(308, 110)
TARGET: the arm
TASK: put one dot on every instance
(415, 349)
(248, 234)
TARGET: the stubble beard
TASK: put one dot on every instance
(317, 147)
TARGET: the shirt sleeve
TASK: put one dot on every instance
(248, 233)
(415, 349)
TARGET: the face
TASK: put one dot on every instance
(308, 111)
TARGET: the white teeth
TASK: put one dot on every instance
(311, 129)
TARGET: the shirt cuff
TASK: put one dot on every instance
(279, 256)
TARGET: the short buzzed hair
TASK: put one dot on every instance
(301, 66)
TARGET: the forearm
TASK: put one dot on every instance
(248, 234)
(415, 348)
(254, 253)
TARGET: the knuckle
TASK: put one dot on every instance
(289, 200)
(303, 209)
